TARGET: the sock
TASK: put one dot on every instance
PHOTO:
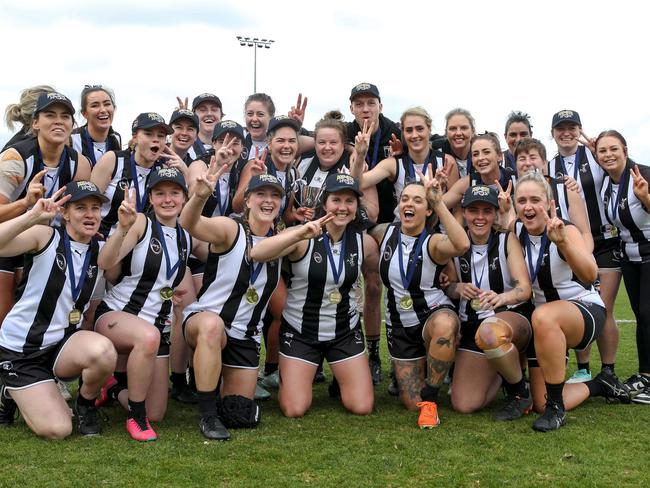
(517, 389)
(429, 393)
(137, 410)
(554, 393)
(270, 368)
(207, 403)
(595, 388)
(373, 347)
(85, 402)
(191, 382)
(179, 380)
(609, 366)
(584, 366)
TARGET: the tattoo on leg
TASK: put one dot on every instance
(443, 341)
(110, 325)
(411, 379)
(438, 369)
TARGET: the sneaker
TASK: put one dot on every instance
(428, 418)
(212, 428)
(87, 420)
(639, 386)
(580, 376)
(614, 389)
(261, 394)
(184, 394)
(7, 408)
(105, 398)
(270, 381)
(375, 370)
(319, 377)
(140, 431)
(334, 390)
(64, 390)
(515, 408)
(552, 419)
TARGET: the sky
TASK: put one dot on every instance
(487, 57)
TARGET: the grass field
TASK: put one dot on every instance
(602, 445)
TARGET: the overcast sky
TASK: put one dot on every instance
(488, 57)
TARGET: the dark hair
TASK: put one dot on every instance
(521, 117)
(262, 98)
(332, 120)
(88, 89)
(611, 133)
(432, 219)
(528, 144)
(357, 223)
(490, 137)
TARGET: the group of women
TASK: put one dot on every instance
(186, 246)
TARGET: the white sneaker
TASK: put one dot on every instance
(580, 376)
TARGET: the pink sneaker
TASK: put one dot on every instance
(138, 433)
(104, 397)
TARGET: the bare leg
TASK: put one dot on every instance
(353, 376)
(475, 383)
(296, 378)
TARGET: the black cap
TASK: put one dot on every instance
(264, 179)
(78, 190)
(566, 116)
(48, 99)
(228, 126)
(149, 120)
(183, 113)
(365, 88)
(480, 193)
(205, 97)
(341, 181)
(282, 121)
(161, 174)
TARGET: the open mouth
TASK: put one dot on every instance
(155, 149)
(267, 209)
(409, 215)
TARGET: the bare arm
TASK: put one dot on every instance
(83, 169)
(103, 171)
(578, 217)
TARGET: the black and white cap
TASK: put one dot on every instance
(205, 97)
(341, 181)
(78, 190)
(228, 126)
(480, 193)
(265, 179)
(366, 89)
(149, 120)
(282, 121)
(566, 116)
(183, 113)
(46, 100)
(160, 175)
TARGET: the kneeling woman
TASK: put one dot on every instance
(320, 319)
(224, 326)
(135, 314)
(39, 338)
(421, 324)
(569, 313)
(494, 289)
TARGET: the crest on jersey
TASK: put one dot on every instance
(123, 184)
(352, 259)
(91, 272)
(155, 246)
(60, 261)
(621, 205)
(387, 152)
(388, 253)
(318, 258)
(464, 265)
(244, 152)
(583, 167)
(565, 114)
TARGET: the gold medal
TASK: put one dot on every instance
(74, 317)
(251, 295)
(166, 293)
(406, 303)
(614, 231)
(336, 297)
(475, 303)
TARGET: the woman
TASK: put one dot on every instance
(223, 325)
(151, 253)
(494, 289)
(23, 112)
(626, 200)
(97, 137)
(569, 313)
(39, 338)
(460, 129)
(186, 128)
(421, 324)
(320, 319)
(517, 128)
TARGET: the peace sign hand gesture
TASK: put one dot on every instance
(504, 196)
(442, 174)
(45, 209)
(554, 225)
(640, 185)
(182, 104)
(208, 181)
(313, 229)
(431, 185)
(362, 140)
(36, 189)
(127, 212)
(258, 164)
(226, 152)
(297, 111)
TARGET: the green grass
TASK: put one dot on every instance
(601, 445)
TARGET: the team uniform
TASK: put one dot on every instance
(320, 319)
(287, 180)
(407, 310)
(309, 170)
(198, 149)
(45, 314)
(406, 171)
(94, 150)
(226, 292)
(143, 286)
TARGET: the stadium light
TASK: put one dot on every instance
(255, 43)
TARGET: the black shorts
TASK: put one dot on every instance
(607, 253)
(9, 265)
(293, 345)
(407, 343)
(19, 371)
(238, 353)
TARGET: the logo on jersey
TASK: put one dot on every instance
(623, 203)
(584, 167)
(244, 152)
(388, 253)
(318, 258)
(464, 265)
(92, 271)
(352, 259)
(123, 184)
(357, 337)
(494, 263)
(155, 246)
(387, 152)
(60, 261)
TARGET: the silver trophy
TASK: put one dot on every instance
(306, 196)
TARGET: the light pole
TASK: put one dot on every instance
(255, 43)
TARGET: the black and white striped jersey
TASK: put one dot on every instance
(625, 211)
(582, 166)
(93, 150)
(198, 149)
(310, 283)
(144, 273)
(309, 169)
(406, 172)
(424, 289)
(39, 318)
(555, 280)
(225, 282)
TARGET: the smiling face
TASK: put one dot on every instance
(485, 157)
(257, 118)
(566, 136)
(516, 132)
(416, 133)
(532, 205)
(150, 143)
(184, 135)
(343, 204)
(264, 204)
(54, 124)
(413, 209)
(209, 115)
(329, 146)
(459, 133)
(82, 218)
(283, 146)
(480, 217)
(236, 146)
(99, 110)
(167, 200)
(611, 154)
(366, 107)
(530, 161)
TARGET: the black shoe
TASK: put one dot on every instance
(552, 419)
(184, 394)
(612, 386)
(87, 420)
(7, 408)
(212, 428)
(334, 390)
(320, 377)
(393, 387)
(375, 370)
(516, 407)
(639, 387)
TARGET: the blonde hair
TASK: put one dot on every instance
(417, 112)
(23, 111)
(539, 179)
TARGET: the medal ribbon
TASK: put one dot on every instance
(575, 164)
(217, 194)
(140, 203)
(479, 280)
(410, 270)
(336, 272)
(170, 269)
(41, 166)
(411, 165)
(622, 188)
(91, 148)
(540, 257)
(75, 287)
(257, 268)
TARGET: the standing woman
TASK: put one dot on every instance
(97, 137)
(23, 112)
(460, 129)
(39, 338)
(151, 252)
(320, 319)
(627, 204)
(517, 128)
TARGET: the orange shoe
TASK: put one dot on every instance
(428, 418)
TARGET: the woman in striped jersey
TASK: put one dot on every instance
(150, 252)
(223, 326)
(321, 319)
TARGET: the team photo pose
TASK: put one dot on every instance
(517, 128)
(185, 125)
(459, 130)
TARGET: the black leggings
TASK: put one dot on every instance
(637, 283)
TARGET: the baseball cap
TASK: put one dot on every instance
(205, 97)
(78, 190)
(365, 88)
(341, 181)
(46, 100)
(161, 174)
(228, 126)
(183, 113)
(566, 116)
(282, 121)
(480, 193)
(149, 120)
(264, 179)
